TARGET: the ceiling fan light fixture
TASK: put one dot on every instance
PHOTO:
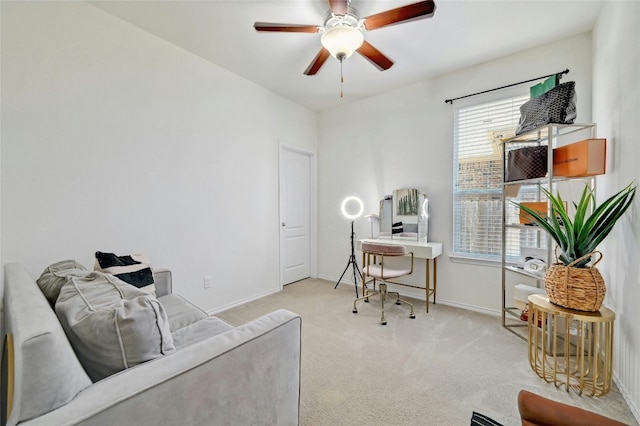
(341, 41)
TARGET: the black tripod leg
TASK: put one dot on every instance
(343, 272)
(355, 282)
(355, 267)
(352, 261)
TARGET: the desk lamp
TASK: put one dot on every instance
(372, 217)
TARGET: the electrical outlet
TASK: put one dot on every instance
(207, 282)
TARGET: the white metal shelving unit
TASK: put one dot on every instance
(551, 135)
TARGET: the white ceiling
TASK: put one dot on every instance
(460, 34)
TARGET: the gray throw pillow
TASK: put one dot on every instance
(112, 325)
(55, 276)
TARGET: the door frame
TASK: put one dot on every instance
(313, 210)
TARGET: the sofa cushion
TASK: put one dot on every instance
(111, 324)
(134, 269)
(55, 276)
(199, 331)
(190, 324)
(181, 313)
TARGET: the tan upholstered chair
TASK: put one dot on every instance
(536, 410)
(375, 268)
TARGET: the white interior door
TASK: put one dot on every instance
(295, 168)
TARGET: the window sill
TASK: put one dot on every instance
(475, 261)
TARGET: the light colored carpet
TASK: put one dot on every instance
(435, 369)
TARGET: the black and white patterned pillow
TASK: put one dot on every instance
(134, 269)
(397, 228)
(478, 419)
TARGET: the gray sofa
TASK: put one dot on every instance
(218, 374)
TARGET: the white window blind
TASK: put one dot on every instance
(477, 188)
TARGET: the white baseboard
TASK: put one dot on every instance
(625, 395)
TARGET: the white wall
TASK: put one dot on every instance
(616, 108)
(115, 140)
(404, 139)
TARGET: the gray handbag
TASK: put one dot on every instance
(558, 105)
(526, 163)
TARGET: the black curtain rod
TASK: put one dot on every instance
(450, 101)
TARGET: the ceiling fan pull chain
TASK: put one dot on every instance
(341, 77)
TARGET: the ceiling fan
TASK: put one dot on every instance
(343, 31)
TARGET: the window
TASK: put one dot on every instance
(477, 180)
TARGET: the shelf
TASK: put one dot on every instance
(514, 312)
(517, 326)
(541, 134)
(523, 226)
(523, 272)
(551, 136)
(542, 180)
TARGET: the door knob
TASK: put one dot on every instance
(284, 224)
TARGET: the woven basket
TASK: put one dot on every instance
(575, 288)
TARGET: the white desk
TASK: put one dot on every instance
(422, 250)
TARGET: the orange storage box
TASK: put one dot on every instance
(583, 158)
(539, 206)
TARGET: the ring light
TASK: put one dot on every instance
(352, 200)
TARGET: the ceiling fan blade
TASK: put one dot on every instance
(339, 7)
(287, 28)
(375, 56)
(423, 9)
(317, 62)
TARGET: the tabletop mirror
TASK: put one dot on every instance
(404, 215)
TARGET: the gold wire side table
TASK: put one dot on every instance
(571, 348)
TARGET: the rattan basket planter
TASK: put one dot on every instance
(582, 289)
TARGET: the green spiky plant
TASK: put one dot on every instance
(581, 235)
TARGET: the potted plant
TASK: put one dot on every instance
(572, 283)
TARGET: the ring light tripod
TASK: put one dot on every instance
(352, 258)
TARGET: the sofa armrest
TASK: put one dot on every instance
(249, 375)
(163, 282)
(536, 410)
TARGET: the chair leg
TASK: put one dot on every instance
(365, 297)
(383, 296)
(365, 289)
(382, 291)
(411, 314)
(401, 301)
(374, 291)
